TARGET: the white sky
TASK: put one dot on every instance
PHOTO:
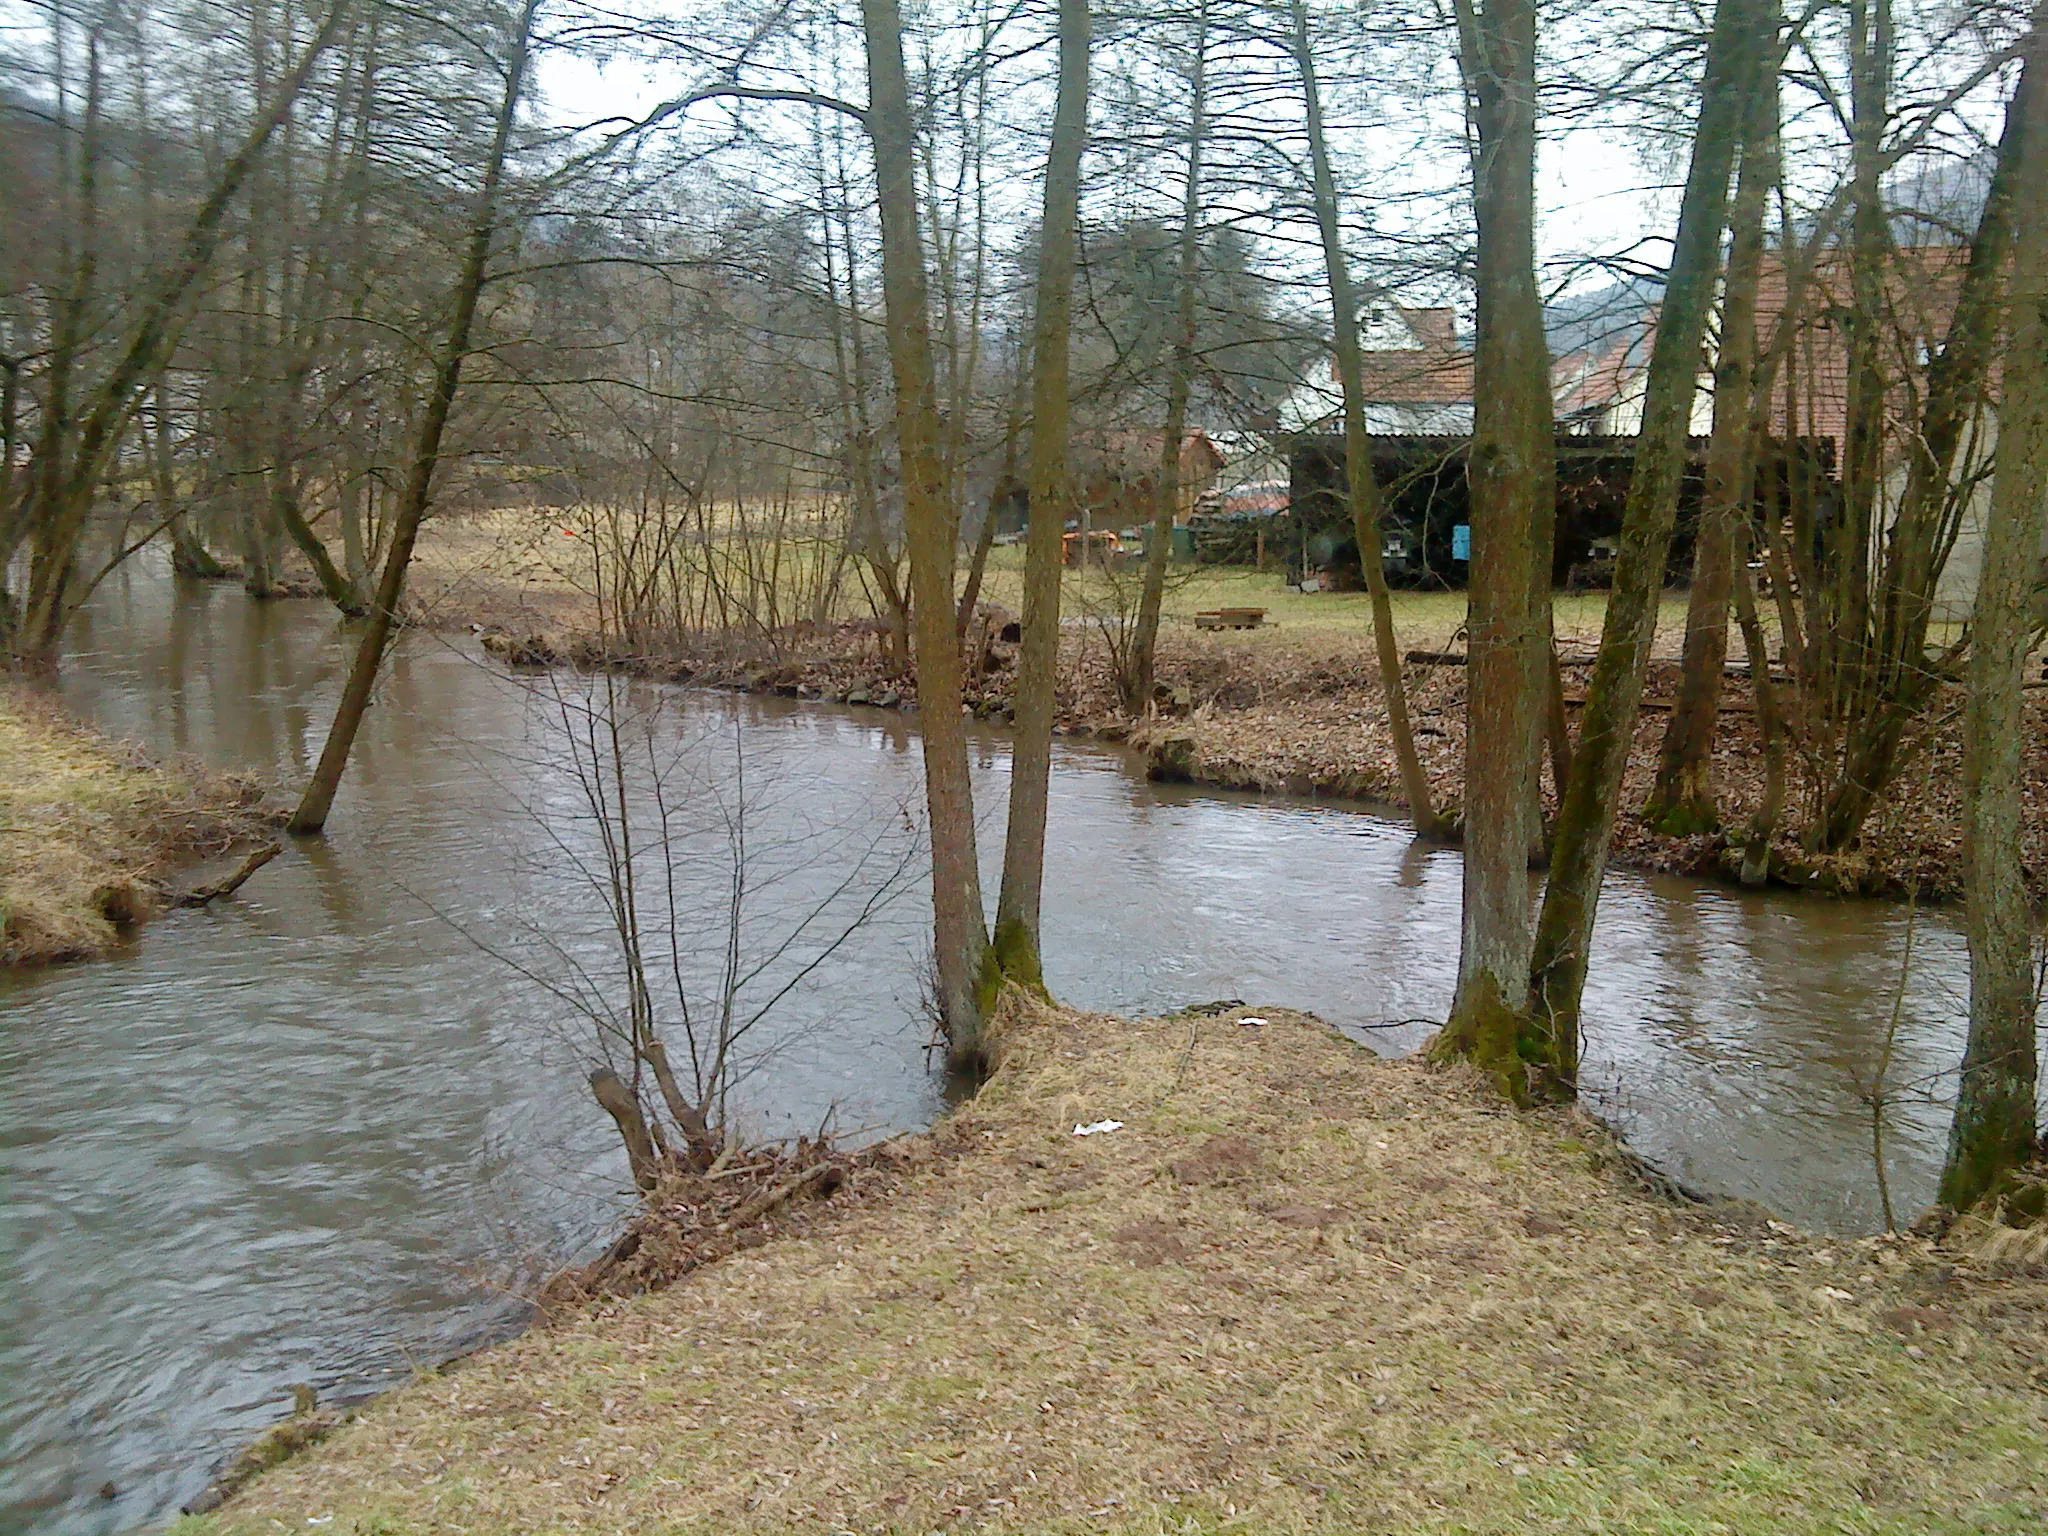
(1591, 184)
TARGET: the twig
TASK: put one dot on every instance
(1878, 1099)
(200, 895)
(769, 1199)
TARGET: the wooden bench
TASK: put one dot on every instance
(1231, 618)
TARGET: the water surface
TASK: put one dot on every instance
(321, 1132)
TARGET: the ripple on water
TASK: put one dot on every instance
(303, 1135)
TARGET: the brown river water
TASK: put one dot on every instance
(322, 1132)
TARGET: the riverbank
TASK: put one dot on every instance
(1300, 1289)
(1295, 708)
(94, 832)
(1336, 743)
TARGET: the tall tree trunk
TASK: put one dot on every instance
(1000, 490)
(1994, 1126)
(1682, 799)
(53, 545)
(302, 304)
(10, 435)
(189, 554)
(1364, 488)
(1892, 684)
(1844, 599)
(357, 456)
(266, 279)
(977, 563)
(1557, 726)
(960, 929)
(1585, 820)
(865, 532)
(284, 508)
(318, 800)
(1141, 669)
(1017, 908)
(1513, 474)
(251, 504)
(355, 471)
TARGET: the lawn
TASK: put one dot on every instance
(1422, 620)
(502, 563)
(1300, 1290)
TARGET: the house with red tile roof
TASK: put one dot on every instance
(1600, 390)
(1417, 374)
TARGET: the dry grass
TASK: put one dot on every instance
(517, 567)
(88, 830)
(534, 570)
(1304, 1290)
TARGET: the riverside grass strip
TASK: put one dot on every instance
(89, 829)
(1303, 1290)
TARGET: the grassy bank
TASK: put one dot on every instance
(90, 832)
(1301, 1290)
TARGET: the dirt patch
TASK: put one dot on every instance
(981, 1350)
(1151, 1242)
(1219, 1160)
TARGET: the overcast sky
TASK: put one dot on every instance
(1594, 191)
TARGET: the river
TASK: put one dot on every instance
(324, 1132)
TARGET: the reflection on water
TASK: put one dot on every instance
(311, 1134)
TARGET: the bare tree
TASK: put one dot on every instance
(1880, 677)
(1017, 910)
(1592, 797)
(1362, 486)
(960, 926)
(673, 930)
(318, 798)
(1682, 799)
(1994, 1127)
(1140, 668)
(81, 440)
(1513, 473)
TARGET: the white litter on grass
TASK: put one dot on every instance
(1098, 1127)
(1252, 1021)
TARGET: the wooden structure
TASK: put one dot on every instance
(1425, 528)
(1230, 618)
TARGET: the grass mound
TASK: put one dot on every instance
(1302, 1289)
(87, 831)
